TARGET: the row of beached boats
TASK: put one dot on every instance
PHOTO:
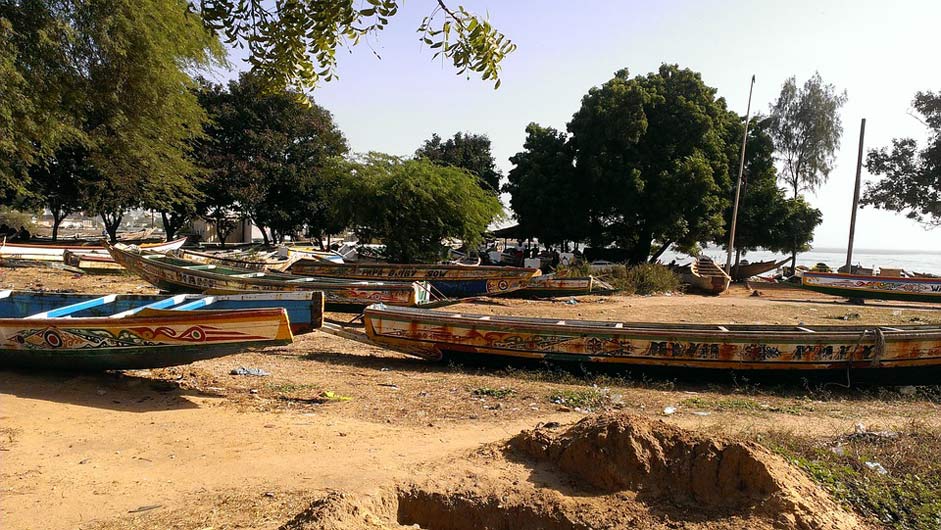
(226, 309)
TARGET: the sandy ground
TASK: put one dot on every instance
(196, 447)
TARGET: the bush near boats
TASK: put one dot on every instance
(646, 278)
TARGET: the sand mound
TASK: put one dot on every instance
(660, 462)
(628, 472)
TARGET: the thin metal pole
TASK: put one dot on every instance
(859, 169)
(738, 183)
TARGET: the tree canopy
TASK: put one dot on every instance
(766, 218)
(413, 205)
(112, 78)
(464, 150)
(806, 128)
(911, 177)
(295, 43)
(265, 152)
(652, 152)
(545, 193)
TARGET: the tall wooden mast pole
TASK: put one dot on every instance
(738, 183)
(859, 168)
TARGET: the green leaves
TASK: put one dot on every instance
(412, 206)
(806, 128)
(911, 177)
(293, 44)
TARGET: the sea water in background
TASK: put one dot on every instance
(910, 260)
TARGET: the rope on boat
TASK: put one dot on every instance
(879, 349)
(878, 352)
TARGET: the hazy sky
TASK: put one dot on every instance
(880, 52)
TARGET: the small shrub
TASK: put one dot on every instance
(586, 399)
(646, 278)
(496, 393)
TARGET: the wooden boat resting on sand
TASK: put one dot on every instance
(704, 275)
(178, 275)
(436, 334)
(57, 252)
(250, 262)
(743, 272)
(449, 281)
(873, 287)
(552, 286)
(120, 332)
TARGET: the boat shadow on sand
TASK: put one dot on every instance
(775, 382)
(109, 390)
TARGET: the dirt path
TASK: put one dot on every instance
(78, 457)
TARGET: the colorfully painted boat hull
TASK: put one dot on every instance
(435, 334)
(450, 281)
(873, 287)
(551, 286)
(176, 275)
(149, 339)
(257, 264)
(57, 252)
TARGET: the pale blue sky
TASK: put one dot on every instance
(881, 53)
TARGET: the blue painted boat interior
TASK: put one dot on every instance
(19, 304)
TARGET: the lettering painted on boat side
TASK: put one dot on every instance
(695, 350)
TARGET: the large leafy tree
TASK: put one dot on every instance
(766, 218)
(464, 150)
(545, 193)
(58, 183)
(806, 128)
(652, 152)
(412, 206)
(265, 153)
(294, 43)
(911, 176)
(117, 73)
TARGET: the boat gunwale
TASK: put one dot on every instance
(772, 332)
(866, 277)
(275, 278)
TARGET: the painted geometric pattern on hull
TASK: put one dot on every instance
(877, 284)
(89, 338)
(676, 350)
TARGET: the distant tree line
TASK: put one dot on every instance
(651, 161)
(103, 109)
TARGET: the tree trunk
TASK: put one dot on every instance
(57, 217)
(112, 222)
(641, 250)
(264, 234)
(168, 225)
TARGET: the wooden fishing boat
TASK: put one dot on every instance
(450, 281)
(873, 287)
(743, 272)
(91, 261)
(436, 334)
(297, 253)
(704, 275)
(57, 252)
(304, 309)
(123, 332)
(264, 262)
(179, 275)
(552, 286)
